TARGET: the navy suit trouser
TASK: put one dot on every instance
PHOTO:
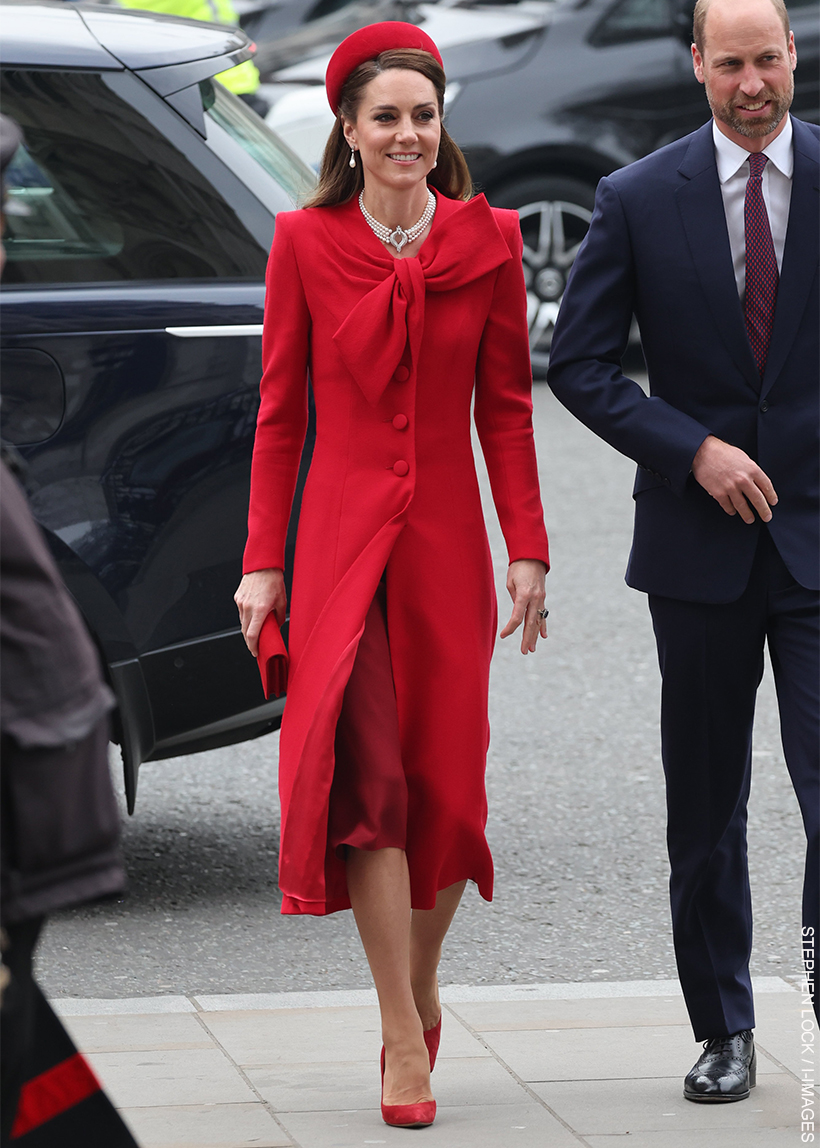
(711, 659)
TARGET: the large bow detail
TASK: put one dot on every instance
(390, 318)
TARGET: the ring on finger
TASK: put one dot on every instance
(543, 614)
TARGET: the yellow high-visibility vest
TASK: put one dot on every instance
(244, 77)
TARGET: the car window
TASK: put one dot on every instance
(255, 137)
(106, 196)
(634, 20)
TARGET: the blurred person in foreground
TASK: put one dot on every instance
(712, 243)
(60, 822)
(405, 297)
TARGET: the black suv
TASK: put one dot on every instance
(142, 212)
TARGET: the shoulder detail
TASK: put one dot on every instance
(283, 228)
(509, 224)
(304, 219)
(302, 229)
(506, 218)
(286, 218)
(298, 221)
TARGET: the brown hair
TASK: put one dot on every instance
(339, 182)
(702, 10)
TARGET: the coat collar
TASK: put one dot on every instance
(386, 326)
(464, 238)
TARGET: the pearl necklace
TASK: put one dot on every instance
(399, 238)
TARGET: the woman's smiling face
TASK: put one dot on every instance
(397, 129)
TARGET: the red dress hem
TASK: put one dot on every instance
(295, 907)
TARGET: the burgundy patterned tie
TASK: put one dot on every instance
(761, 264)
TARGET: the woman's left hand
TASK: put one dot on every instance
(525, 582)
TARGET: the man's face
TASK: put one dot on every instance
(747, 67)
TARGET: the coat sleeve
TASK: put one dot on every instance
(591, 335)
(283, 410)
(503, 407)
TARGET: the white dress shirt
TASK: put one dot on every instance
(733, 173)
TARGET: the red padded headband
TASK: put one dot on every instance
(367, 44)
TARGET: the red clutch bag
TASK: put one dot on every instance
(272, 659)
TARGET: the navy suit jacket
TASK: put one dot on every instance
(658, 247)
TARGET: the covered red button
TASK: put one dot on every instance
(400, 422)
(401, 374)
(401, 468)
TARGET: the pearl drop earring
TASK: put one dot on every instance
(352, 156)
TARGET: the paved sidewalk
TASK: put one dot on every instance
(533, 1066)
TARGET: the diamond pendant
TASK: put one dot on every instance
(399, 238)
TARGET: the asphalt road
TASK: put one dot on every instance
(576, 809)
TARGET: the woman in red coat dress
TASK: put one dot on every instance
(404, 300)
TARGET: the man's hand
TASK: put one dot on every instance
(735, 480)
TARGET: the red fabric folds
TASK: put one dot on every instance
(368, 798)
(389, 319)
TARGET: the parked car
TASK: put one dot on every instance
(546, 108)
(267, 21)
(288, 30)
(143, 211)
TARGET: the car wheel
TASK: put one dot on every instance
(555, 214)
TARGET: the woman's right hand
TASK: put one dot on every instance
(258, 594)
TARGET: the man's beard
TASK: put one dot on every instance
(754, 129)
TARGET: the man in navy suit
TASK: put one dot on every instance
(712, 243)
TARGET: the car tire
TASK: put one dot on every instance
(555, 212)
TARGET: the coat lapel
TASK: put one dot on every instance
(800, 256)
(701, 208)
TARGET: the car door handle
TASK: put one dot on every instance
(216, 332)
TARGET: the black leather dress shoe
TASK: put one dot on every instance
(726, 1070)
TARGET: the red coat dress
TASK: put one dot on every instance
(397, 351)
